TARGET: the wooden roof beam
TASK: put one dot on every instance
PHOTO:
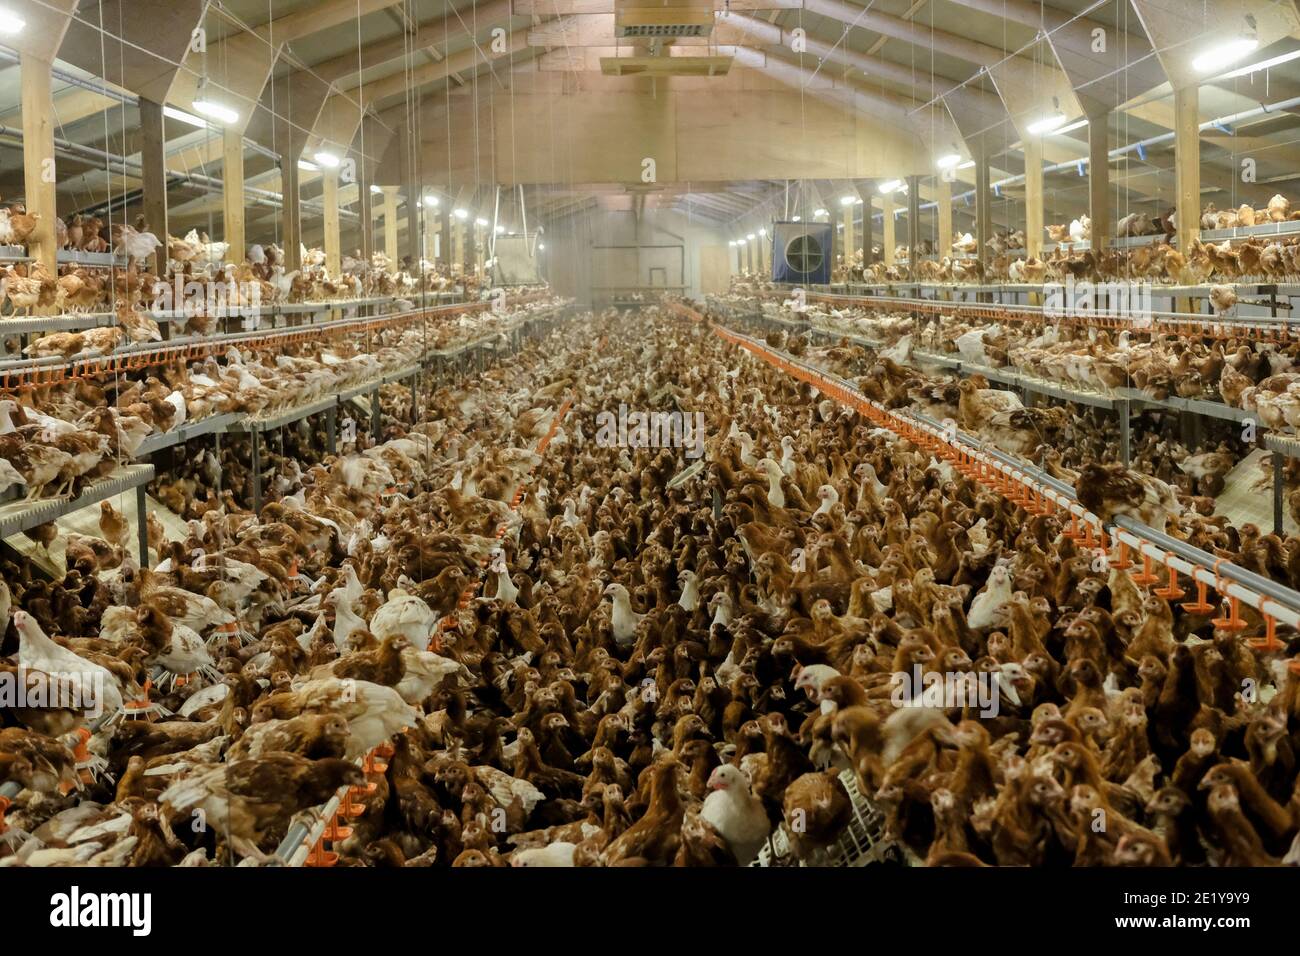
(429, 36)
(1179, 31)
(148, 39)
(1071, 39)
(239, 67)
(950, 44)
(465, 60)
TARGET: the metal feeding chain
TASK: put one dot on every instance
(1038, 493)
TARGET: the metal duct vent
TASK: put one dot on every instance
(665, 30)
(667, 19)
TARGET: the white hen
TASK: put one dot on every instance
(624, 620)
(374, 712)
(995, 593)
(346, 621)
(557, 854)
(735, 813)
(424, 672)
(91, 685)
(690, 598)
(407, 615)
(186, 654)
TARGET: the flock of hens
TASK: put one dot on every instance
(66, 434)
(1254, 259)
(1260, 378)
(262, 278)
(630, 661)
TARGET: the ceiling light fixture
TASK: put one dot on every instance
(216, 111)
(1225, 54)
(172, 112)
(376, 189)
(432, 201)
(327, 159)
(762, 232)
(848, 200)
(820, 212)
(11, 24)
(794, 218)
(460, 214)
(891, 186)
(1046, 124)
(480, 222)
(948, 161)
(308, 167)
(1261, 65)
(1078, 124)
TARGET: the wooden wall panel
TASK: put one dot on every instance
(568, 129)
(735, 135)
(605, 138)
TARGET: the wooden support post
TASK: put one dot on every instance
(333, 240)
(414, 226)
(1033, 195)
(290, 213)
(414, 193)
(365, 203)
(390, 226)
(887, 233)
(848, 247)
(154, 186)
(943, 215)
(38, 158)
(444, 228)
(1099, 178)
(232, 192)
(1187, 163)
(868, 220)
(913, 220)
(458, 245)
(983, 206)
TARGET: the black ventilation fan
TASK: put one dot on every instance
(801, 252)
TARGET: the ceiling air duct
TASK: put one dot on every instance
(660, 25)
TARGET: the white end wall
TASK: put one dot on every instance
(589, 253)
